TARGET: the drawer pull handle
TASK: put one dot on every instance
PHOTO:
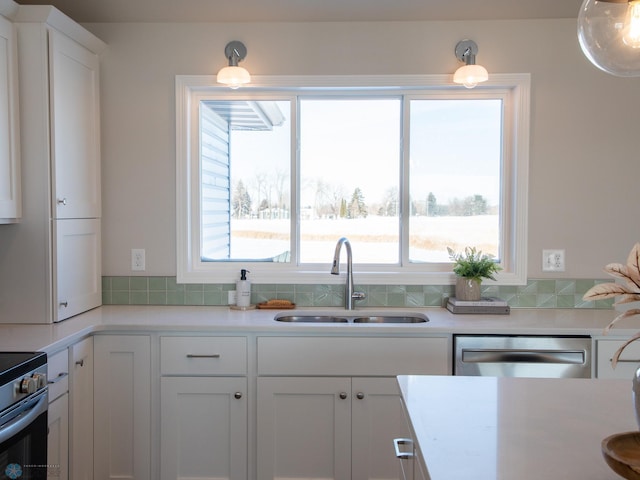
(64, 304)
(60, 376)
(238, 395)
(80, 362)
(402, 441)
(625, 360)
(194, 355)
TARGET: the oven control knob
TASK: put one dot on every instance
(41, 380)
(28, 385)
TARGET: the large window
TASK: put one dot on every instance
(270, 176)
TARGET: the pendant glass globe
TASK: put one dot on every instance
(233, 76)
(471, 75)
(609, 35)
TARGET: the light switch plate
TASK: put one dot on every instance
(137, 259)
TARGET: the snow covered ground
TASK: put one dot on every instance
(374, 239)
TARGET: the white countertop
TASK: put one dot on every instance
(123, 318)
(487, 428)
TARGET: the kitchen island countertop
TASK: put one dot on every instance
(489, 428)
(223, 320)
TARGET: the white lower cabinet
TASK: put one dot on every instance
(304, 428)
(328, 427)
(376, 415)
(81, 422)
(58, 416)
(330, 407)
(58, 439)
(122, 412)
(203, 427)
(408, 452)
(260, 407)
(203, 408)
(628, 362)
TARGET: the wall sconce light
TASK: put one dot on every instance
(469, 74)
(233, 75)
(609, 35)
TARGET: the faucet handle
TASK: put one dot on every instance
(358, 295)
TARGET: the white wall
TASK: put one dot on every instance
(584, 163)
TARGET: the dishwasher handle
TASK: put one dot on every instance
(508, 355)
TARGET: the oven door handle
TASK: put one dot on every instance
(23, 420)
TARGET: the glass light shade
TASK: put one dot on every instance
(471, 75)
(233, 76)
(609, 35)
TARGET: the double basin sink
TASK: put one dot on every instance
(351, 317)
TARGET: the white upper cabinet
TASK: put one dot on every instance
(75, 129)
(10, 197)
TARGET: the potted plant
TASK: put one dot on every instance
(627, 288)
(470, 268)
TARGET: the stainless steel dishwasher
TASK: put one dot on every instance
(523, 356)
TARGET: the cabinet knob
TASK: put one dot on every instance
(64, 304)
(80, 362)
(359, 395)
(62, 201)
(237, 395)
(343, 395)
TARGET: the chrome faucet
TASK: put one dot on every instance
(349, 294)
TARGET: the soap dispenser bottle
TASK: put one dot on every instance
(243, 290)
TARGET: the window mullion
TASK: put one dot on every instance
(405, 211)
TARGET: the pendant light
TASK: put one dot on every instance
(469, 74)
(233, 75)
(609, 35)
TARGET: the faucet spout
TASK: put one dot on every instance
(349, 294)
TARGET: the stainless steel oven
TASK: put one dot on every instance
(23, 415)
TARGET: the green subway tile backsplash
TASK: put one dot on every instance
(166, 291)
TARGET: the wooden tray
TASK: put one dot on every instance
(266, 306)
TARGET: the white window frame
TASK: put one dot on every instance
(190, 269)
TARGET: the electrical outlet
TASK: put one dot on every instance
(553, 260)
(137, 259)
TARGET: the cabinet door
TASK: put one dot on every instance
(122, 407)
(203, 428)
(377, 419)
(10, 199)
(74, 94)
(82, 410)
(58, 439)
(304, 428)
(628, 362)
(78, 268)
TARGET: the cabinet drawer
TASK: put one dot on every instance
(58, 374)
(353, 356)
(627, 364)
(203, 355)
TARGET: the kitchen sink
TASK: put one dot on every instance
(392, 319)
(313, 318)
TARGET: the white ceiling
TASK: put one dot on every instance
(89, 11)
